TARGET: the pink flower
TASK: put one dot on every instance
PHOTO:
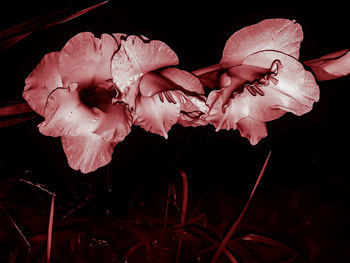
(92, 92)
(73, 91)
(260, 79)
(331, 66)
(159, 96)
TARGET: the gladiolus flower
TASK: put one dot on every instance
(331, 66)
(158, 96)
(73, 91)
(260, 79)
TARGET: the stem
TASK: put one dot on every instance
(208, 69)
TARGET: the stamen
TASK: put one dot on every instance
(254, 88)
(259, 91)
(276, 67)
(161, 96)
(250, 88)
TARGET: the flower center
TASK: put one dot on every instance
(98, 96)
(254, 87)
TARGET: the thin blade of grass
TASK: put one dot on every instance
(15, 108)
(273, 243)
(132, 249)
(49, 232)
(12, 35)
(183, 211)
(184, 196)
(15, 225)
(239, 219)
(174, 194)
(166, 211)
(204, 235)
(7, 123)
(194, 220)
(39, 186)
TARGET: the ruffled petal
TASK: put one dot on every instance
(184, 79)
(42, 81)
(65, 114)
(229, 118)
(194, 106)
(114, 122)
(331, 66)
(177, 86)
(169, 79)
(135, 57)
(295, 91)
(155, 115)
(271, 34)
(253, 130)
(87, 151)
(86, 59)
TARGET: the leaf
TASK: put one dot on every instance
(15, 108)
(331, 66)
(239, 219)
(15, 112)
(15, 225)
(49, 232)
(6, 123)
(276, 245)
(12, 35)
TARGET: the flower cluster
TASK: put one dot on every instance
(93, 90)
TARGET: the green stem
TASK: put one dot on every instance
(208, 69)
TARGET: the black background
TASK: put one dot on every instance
(307, 179)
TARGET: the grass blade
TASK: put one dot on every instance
(15, 225)
(273, 243)
(12, 35)
(15, 108)
(6, 123)
(39, 186)
(184, 196)
(49, 232)
(184, 210)
(15, 112)
(205, 236)
(239, 219)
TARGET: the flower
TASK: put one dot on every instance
(73, 91)
(331, 66)
(158, 95)
(92, 92)
(260, 79)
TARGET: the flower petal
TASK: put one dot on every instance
(295, 92)
(87, 151)
(271, 34)
(194, 107)
(86, 59)
(331, 66)
(235, 112)
(155, 115)
(184, 79)
(135, 57)
(252, 129)
(65, 114)
(178, 87)
(42, 81)
(114, 122)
